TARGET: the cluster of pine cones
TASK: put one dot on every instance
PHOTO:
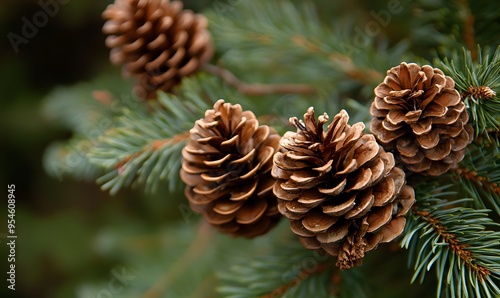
(344, 191)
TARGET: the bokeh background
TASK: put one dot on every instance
(62, 224)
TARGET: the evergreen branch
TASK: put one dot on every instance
(480, 180)
(145, 149)
(478, 82)
(289, 270)
(257, 89)
(455, 241)
(458, 248)
(479, 175)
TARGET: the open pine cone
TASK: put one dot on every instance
(158, 41)
(339, 188)
(418, 112)
(227, 169)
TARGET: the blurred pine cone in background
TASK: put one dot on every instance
(339, 188)
(227, 169)
(158, 42)
(418, 112)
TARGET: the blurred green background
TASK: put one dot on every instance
(61, 224)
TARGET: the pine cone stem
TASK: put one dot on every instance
(257, 89)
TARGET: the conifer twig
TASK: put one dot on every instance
(155, 145)
(257, 89)
(456, 247)
(477, 179)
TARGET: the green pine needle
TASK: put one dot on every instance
(479, 175)
(456, 242)
(469, 75)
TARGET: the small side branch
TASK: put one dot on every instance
(257, 89)
(478, 180)
(458, 248)
(155, 145)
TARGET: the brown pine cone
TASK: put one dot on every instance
(157, 41)
(339, 188)
(227, 169)
(418, 113)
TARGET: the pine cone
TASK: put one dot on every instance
(227, 169)
(418, 113)
(339, 188)
(158, 41)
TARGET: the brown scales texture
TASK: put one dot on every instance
(339, 188)
(419, 114)
(158, 42)
(227, 169)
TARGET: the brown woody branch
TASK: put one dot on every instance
(477, 179)
(459, 249)
(468, 34)
(257, 89)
